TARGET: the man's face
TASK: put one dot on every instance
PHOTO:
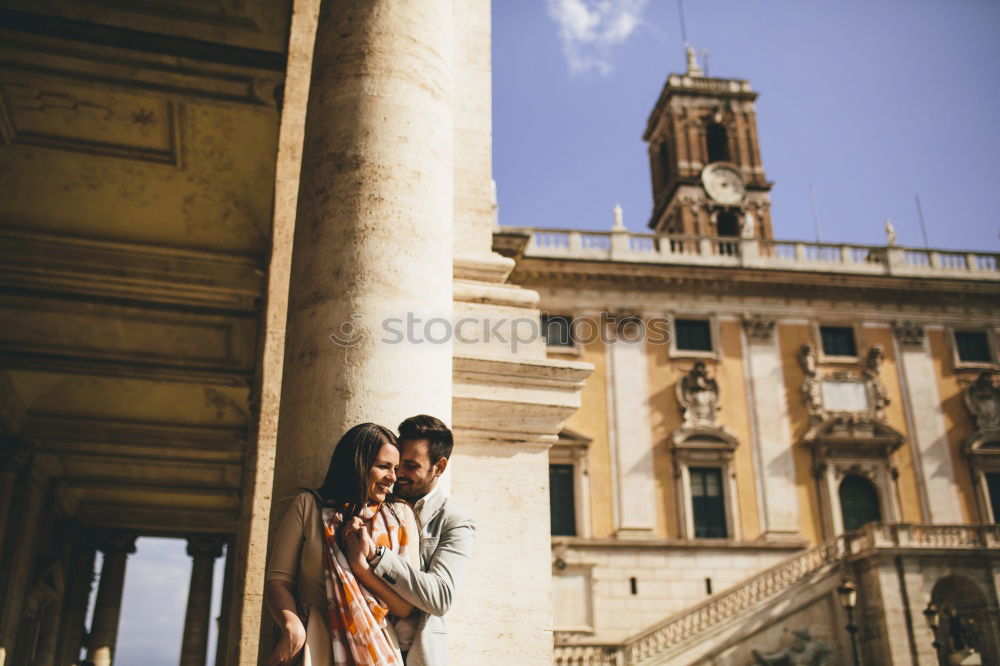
(416, 475)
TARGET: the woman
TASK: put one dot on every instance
(309, 571)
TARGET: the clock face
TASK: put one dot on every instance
(723, 183)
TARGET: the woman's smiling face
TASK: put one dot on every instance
(382, 474)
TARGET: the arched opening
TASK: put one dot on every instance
(966, 620)
(666, 161)
(727, 223)
(718, 143)
(859, 503)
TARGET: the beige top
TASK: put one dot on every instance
(297, 551)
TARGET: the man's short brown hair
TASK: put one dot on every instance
(439, 439)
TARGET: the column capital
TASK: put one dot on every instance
(908, 333)
(204, 546)
(114, 541)
(758, 327)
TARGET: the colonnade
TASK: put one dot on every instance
(103, 635)
(51, 629)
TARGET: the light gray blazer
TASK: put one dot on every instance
(446, 537)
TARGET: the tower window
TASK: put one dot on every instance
(838, 341)
(858, 502)
(558, 330)
(972, 346)
(562, 503)
(727, 223)
(707, 503)
(718, 143)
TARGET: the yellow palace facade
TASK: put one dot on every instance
(766, 420)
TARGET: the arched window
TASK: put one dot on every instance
(858, 502)
(718, 143)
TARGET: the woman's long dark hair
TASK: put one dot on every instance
(346, 482)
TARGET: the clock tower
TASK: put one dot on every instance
(704, 156)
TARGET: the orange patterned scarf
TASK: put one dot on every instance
(357, 618)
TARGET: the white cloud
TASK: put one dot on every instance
(591, 29)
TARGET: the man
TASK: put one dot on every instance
(446, 537)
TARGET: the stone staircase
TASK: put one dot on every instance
(660, 642)
(690, 636)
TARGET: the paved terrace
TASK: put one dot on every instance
(625, 246)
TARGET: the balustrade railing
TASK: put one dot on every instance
(757, 253)
(709, 614)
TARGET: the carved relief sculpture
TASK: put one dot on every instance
(803, 651)
(982, 398)
(699, 397)
(811, 391)
(872, 374)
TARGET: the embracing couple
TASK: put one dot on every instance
(364, 568)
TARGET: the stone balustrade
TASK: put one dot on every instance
(624, 246)
(690, 623)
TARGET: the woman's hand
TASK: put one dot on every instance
(293, 638)
(357, 543)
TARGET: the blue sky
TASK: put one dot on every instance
(870, 103)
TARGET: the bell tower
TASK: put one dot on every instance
(704, 158)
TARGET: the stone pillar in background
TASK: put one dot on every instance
(772, 434)
(631, 436)
(79, 584)
(116, 546)
(936, 484)
(203, 551)
(373, 236)
(29, 480)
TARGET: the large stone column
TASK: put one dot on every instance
(203, 551)
(116, 546)
(373, 238)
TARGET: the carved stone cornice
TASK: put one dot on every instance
(758, 327)
(908, 333)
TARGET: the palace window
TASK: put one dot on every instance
(993, 488)
(972, 347)
(859, 502)
(562, 502)
(569, 492)
(692, 335)
(558, 330)
(718, 143)
(838, 341)
(708, 506)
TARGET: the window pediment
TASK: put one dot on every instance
(853, 435)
